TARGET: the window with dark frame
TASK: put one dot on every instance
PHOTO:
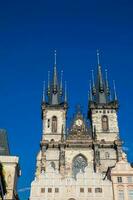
(82, 190)
(49, 190)
(89, 190)
(119, 179)
(56, 190)
(42, 190)
(98, 190)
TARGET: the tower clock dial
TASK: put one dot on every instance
(79, 122)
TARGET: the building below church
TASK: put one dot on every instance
(11, 169)
(86, 160)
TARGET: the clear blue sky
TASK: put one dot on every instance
(29, 32)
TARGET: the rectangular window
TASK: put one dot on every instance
(119, 179)
(121, 195)
(129, 179)
(82, 190)
(89, 190)
(130, 194)
(42, 190)
(56, 190)
(98, 190)
(49, 190)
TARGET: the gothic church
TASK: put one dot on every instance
(84, 162)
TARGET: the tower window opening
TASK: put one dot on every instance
(48, 123)
(105, 125)
(54, 124)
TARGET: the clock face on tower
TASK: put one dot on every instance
(79, 122)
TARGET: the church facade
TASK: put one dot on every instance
(85, 161)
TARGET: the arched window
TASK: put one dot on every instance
(54, 124)
(79, 164)
(105, 125)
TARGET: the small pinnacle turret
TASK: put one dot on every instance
(43, 96)
(107, 83)
(115, 95)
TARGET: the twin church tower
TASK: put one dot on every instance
(77, 164)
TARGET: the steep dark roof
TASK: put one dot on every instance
(4, 147)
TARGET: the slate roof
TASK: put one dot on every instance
(4, 147)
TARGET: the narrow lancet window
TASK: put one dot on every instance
(48, 123)
(54, 124)
(105, 125)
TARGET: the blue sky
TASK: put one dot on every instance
(29, 33)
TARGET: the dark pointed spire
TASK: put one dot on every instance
(107, 83)
(48, 83)
(61, 86)
(43, 96)
(65, 97)
(55, 89)
(115, 95)
(100, 78)
(90, 92)
(98, 94)
(55, 84)
(102, 95)
(93, 83)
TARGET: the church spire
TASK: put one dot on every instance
(55, 87)
(93, 83)
(55, 83)
(90, 92)
(100, 78)
(43, 96)
(107, 83)
(115, 95)
(65, 97)
(61, 86)
(100, 90)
